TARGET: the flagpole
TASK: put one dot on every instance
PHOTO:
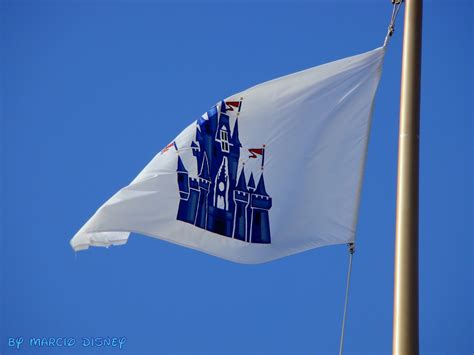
(405, 308)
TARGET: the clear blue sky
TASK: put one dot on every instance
(92, 90)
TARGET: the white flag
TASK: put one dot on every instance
(271, 171)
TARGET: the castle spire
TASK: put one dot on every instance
(204, 173)
(223, 107)
(235, 135)
(261, 187)
(251, 184)
(181, 167)
(241, 186)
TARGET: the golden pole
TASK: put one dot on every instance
(405, 307)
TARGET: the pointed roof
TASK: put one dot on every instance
(181, 167)
(261, 187)
(241, 186)
(251, 184)
(204, 174)
(223, 107)
(235, 135)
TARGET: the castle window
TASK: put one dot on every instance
(224, 140)
(224, 135)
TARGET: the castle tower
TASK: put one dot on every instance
(251, 188)
(241, 199)
(197, 152)
(223, 175)
(221, 186)
(183, 181)
(234, 153)
(205, 132)
(188, 194)
(204, 184)
(221, 209)
(260, 203)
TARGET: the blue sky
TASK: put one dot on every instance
(92, 90)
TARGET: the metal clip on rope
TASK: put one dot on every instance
(391, 27)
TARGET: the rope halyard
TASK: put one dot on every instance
(397, 4)
(351, 247)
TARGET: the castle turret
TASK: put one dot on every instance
(188, 193)
(222, 134)
(241, 199)
(204, 170)
(204, 184)
(235, 141)
(205, 132)
(251, 188)
(195, 149)
(251, 184)
(183, 183)
(260, 203)
(234, 153)
(261, 187)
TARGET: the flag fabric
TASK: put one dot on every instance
(204, 191)
(254, 152)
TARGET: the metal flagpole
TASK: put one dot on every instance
(405, 307)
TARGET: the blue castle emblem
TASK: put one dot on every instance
(217, 199)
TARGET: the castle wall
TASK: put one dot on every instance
(201, 218)
(260, 230)
(240, 216)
